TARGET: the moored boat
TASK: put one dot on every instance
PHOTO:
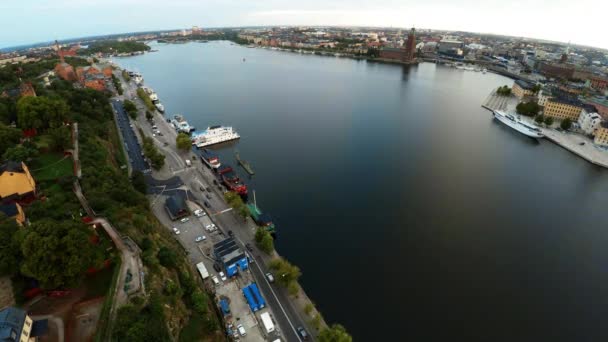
(518, 124)
(214, 135)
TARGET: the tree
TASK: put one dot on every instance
(41, 112)
(259, 234)
(139, 181)
(10, 251)
(528, 108)
(8, 137)
(548, 121)
(335, 333)
(285, 273)
(61, 138)
(539, 119)
(149, 115)
(536, 88)
(130, 108)
(183, 142)
(4, 114)
(267, 243)
(566, 124)
(503, 91)
(167, 257)
(57, 253)
(19, 153)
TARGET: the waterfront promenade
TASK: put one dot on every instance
(578, 144)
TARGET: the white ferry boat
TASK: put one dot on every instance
(214, 135)
(160, 107)
(181, 125)
(518, 124)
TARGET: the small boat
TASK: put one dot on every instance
(244, 164)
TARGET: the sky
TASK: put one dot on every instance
(31, 21)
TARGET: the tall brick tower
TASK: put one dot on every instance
(410, 46)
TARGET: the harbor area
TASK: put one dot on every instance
(576, 143)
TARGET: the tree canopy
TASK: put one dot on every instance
(41, 112)
(528, 108)
(285, 273)
(10, 251)
(183, 142)
(9, 137)
(335, 333)
(19, 153)
(57, 253)
(566, 124)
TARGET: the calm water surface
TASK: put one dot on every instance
(412, 214)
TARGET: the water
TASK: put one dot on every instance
(413, 215)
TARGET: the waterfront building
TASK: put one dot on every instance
(589, 121)
(601, 135)
(557, 70)
(563, 108)
(522, 89)
(543, 96)
(600, 104)
(451, 47)
(405, 54)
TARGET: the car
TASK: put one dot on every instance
(184, 220)
(201, 188)
(241, 330)
(176, 231)
(303, 334)
(230, 233)
(270, 277)
(222, 276)
(210, 227)
(199, 213)
(200, 238)
(215, 182)
(249, 247)
(153, 126)
(217, 267)
(207, 204)
(165, 144)
(153, 134)
(215, 280)
(160, 133)
(208, 196)
(208, 189)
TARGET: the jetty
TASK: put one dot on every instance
(243, 163)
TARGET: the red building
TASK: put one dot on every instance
(599, 83)
(65, 71)
(406, 54)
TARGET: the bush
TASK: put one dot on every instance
(548, 121)
(528, 108)
(566, 124)
(167, 257)
(130, 108)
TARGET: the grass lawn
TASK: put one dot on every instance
(51, 166)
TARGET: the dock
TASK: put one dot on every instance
(573, 142)
(244, 164)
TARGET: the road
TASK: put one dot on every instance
(175, 177)
(132, 145)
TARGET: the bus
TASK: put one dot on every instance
(267, 322)
(202, 270)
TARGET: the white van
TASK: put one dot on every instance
(188, 163)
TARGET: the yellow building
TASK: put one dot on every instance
(601, 135)
(16, 182)
(562, 109)
(522, 89)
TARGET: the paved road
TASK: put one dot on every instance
(133, 148)
(188, 181)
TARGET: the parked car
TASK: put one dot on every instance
(200, 238)
(270, 277)
(199, 213)
(230, 233)
(207, 204)
(176, 231)
(184, 220)
(208, 196)
(222, 276)
(249, 247)
(215, 280)
(303, 333)
(202, 188)
(241, 330)
(217, 267)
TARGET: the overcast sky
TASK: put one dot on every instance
(31, 21)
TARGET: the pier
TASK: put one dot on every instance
(576, 143)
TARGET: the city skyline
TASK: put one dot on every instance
(67, 19)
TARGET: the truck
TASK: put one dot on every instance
(202, 270)
(267, 322)
(258, 296)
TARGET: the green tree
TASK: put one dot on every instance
(57, 253)
(335, 333)
(267, 243)
(8, 137)
(60, 138)
(19, 153)
(139, 181)
(167, 257)
(548, 121)
(4, 113)
(183, 142)
(539, 119)
(10, 250)
(41, 112)
(285, 273)
(528, 108)
(566, 124)
(130, 108)
(536, 88)
(199, 302)
(149, 115)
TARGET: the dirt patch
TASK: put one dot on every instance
(6, 292)
(83, 320)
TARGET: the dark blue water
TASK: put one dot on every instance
(412, 214)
